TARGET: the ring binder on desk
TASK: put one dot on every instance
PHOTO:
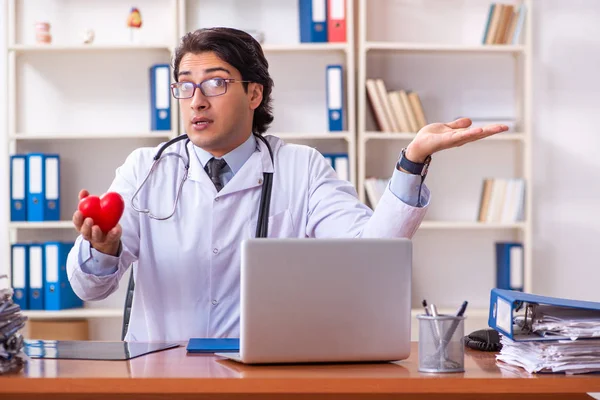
(538, 310)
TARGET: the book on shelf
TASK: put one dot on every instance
(502, 200)
(504, 24)
(396, 110)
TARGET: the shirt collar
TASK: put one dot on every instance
(235, 158)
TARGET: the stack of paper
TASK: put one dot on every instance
(11, 341)
(568, 356)
(566, 322)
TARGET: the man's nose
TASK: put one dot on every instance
(199, 101)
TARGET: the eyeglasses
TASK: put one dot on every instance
(209, 88)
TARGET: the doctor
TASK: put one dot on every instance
(185, 235)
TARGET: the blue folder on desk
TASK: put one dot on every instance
(504, 303)
(216, 345)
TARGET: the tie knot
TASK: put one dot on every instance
(215, 166)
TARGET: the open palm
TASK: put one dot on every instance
(437, 136)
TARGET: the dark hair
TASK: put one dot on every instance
(240, 50)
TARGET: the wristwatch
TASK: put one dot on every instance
(413, 167)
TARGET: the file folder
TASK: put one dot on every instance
(336, 21)
(52, 187)
(19, 275)
(340, 164)
(18, 188)
(58, 293)
(335, 97)
(160, 97)
(35, 187)
(505, 303)
(36, 277)
(509, 266)
(313, 21)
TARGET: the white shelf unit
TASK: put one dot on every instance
(31, 70)
(397, 41)
(298, 69)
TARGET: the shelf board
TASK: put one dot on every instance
(38, 48)
(409, 136)
(78, 136)
(308, 47)
(470, 225)
(451, 48)
(308, 136)
(74, 313)
(42, 225)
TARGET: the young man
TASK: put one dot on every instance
(187, 246)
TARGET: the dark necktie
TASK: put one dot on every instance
(213, 169)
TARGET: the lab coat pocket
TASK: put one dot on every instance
(280, 225)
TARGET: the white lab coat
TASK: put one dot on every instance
(188, 267)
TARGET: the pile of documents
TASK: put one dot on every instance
(568, 356)
(11, 342)
(563, 339)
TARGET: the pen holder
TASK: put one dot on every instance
(441, 347)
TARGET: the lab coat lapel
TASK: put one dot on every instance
(251, 173)
(249, 176)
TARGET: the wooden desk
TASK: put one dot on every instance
(174, 374)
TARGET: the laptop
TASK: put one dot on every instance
(324, 300)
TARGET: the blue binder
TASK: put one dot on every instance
(503, 306)
(36, 277)
(313, 21)
(58, 293)
(52, 187)
(160, 97)
(35, 187)
(509, 266)
(335, 96)
(19, 274)
(18, 187)
(339, 162)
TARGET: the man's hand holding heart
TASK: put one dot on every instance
(97, 220)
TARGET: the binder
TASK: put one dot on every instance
(18, 187)
(160, 97)
(36, 277)
(58, 293)
(313, 21)
(35, 187)
(509, 266)
(340, 164)
(504, 304)
(52, 187)
(336, 21)
(342, 167)
(335, 98)
(19, 275)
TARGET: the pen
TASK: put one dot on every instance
(425, 307)
(462, 309)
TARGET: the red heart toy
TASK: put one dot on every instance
(106, 211)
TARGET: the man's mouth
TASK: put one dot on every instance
(200, 123)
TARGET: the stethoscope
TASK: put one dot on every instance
(262, 228)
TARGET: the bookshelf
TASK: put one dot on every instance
(454, 75)
(48, 112)
(298, 69)
(93, 129)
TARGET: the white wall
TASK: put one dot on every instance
(566, 88)
(566, 143)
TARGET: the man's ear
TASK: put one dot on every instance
(255, 94)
